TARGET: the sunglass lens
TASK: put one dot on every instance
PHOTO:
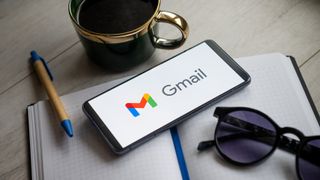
(245, 137)
(309, 160)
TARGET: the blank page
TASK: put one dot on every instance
(275, 90)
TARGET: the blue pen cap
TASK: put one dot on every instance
(35, 57)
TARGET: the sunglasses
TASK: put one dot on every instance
(246, 136)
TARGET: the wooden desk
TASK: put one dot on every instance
(241, 27)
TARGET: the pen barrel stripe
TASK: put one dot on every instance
(51, 91)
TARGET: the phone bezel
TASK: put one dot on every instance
(112, 141)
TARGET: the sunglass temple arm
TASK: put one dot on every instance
(206, 144)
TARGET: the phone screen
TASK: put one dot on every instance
(166, 92)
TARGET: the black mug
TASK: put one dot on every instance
(122, 50)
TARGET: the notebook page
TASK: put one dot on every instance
(87, 156)
(35, 144)
(275, 90)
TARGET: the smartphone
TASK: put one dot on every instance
(138, 109)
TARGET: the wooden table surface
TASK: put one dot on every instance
(241, 27)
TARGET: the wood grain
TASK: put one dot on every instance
(242, 28)
(77, 73)
(248, 27)
(311, 73)
(34, 25)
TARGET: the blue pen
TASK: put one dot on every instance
(46, 79)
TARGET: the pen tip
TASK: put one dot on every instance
(67, 126)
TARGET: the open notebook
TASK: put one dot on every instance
(276, 89)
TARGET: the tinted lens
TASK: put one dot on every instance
(309, 161)
(245, 137)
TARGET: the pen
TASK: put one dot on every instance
(46, 79)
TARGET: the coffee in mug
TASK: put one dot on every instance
(114, 16)
(119, 34)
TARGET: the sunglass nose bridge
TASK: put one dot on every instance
(289, 144)
(290, 130)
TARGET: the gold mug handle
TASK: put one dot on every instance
(176, 20)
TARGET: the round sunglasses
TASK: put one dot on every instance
(245, 136)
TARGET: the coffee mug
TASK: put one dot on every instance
(119, 47)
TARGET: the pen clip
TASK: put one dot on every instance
(47, 68)
(35, 57)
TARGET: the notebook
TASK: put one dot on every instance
(276, 89)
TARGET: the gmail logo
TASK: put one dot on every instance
(146, 99)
